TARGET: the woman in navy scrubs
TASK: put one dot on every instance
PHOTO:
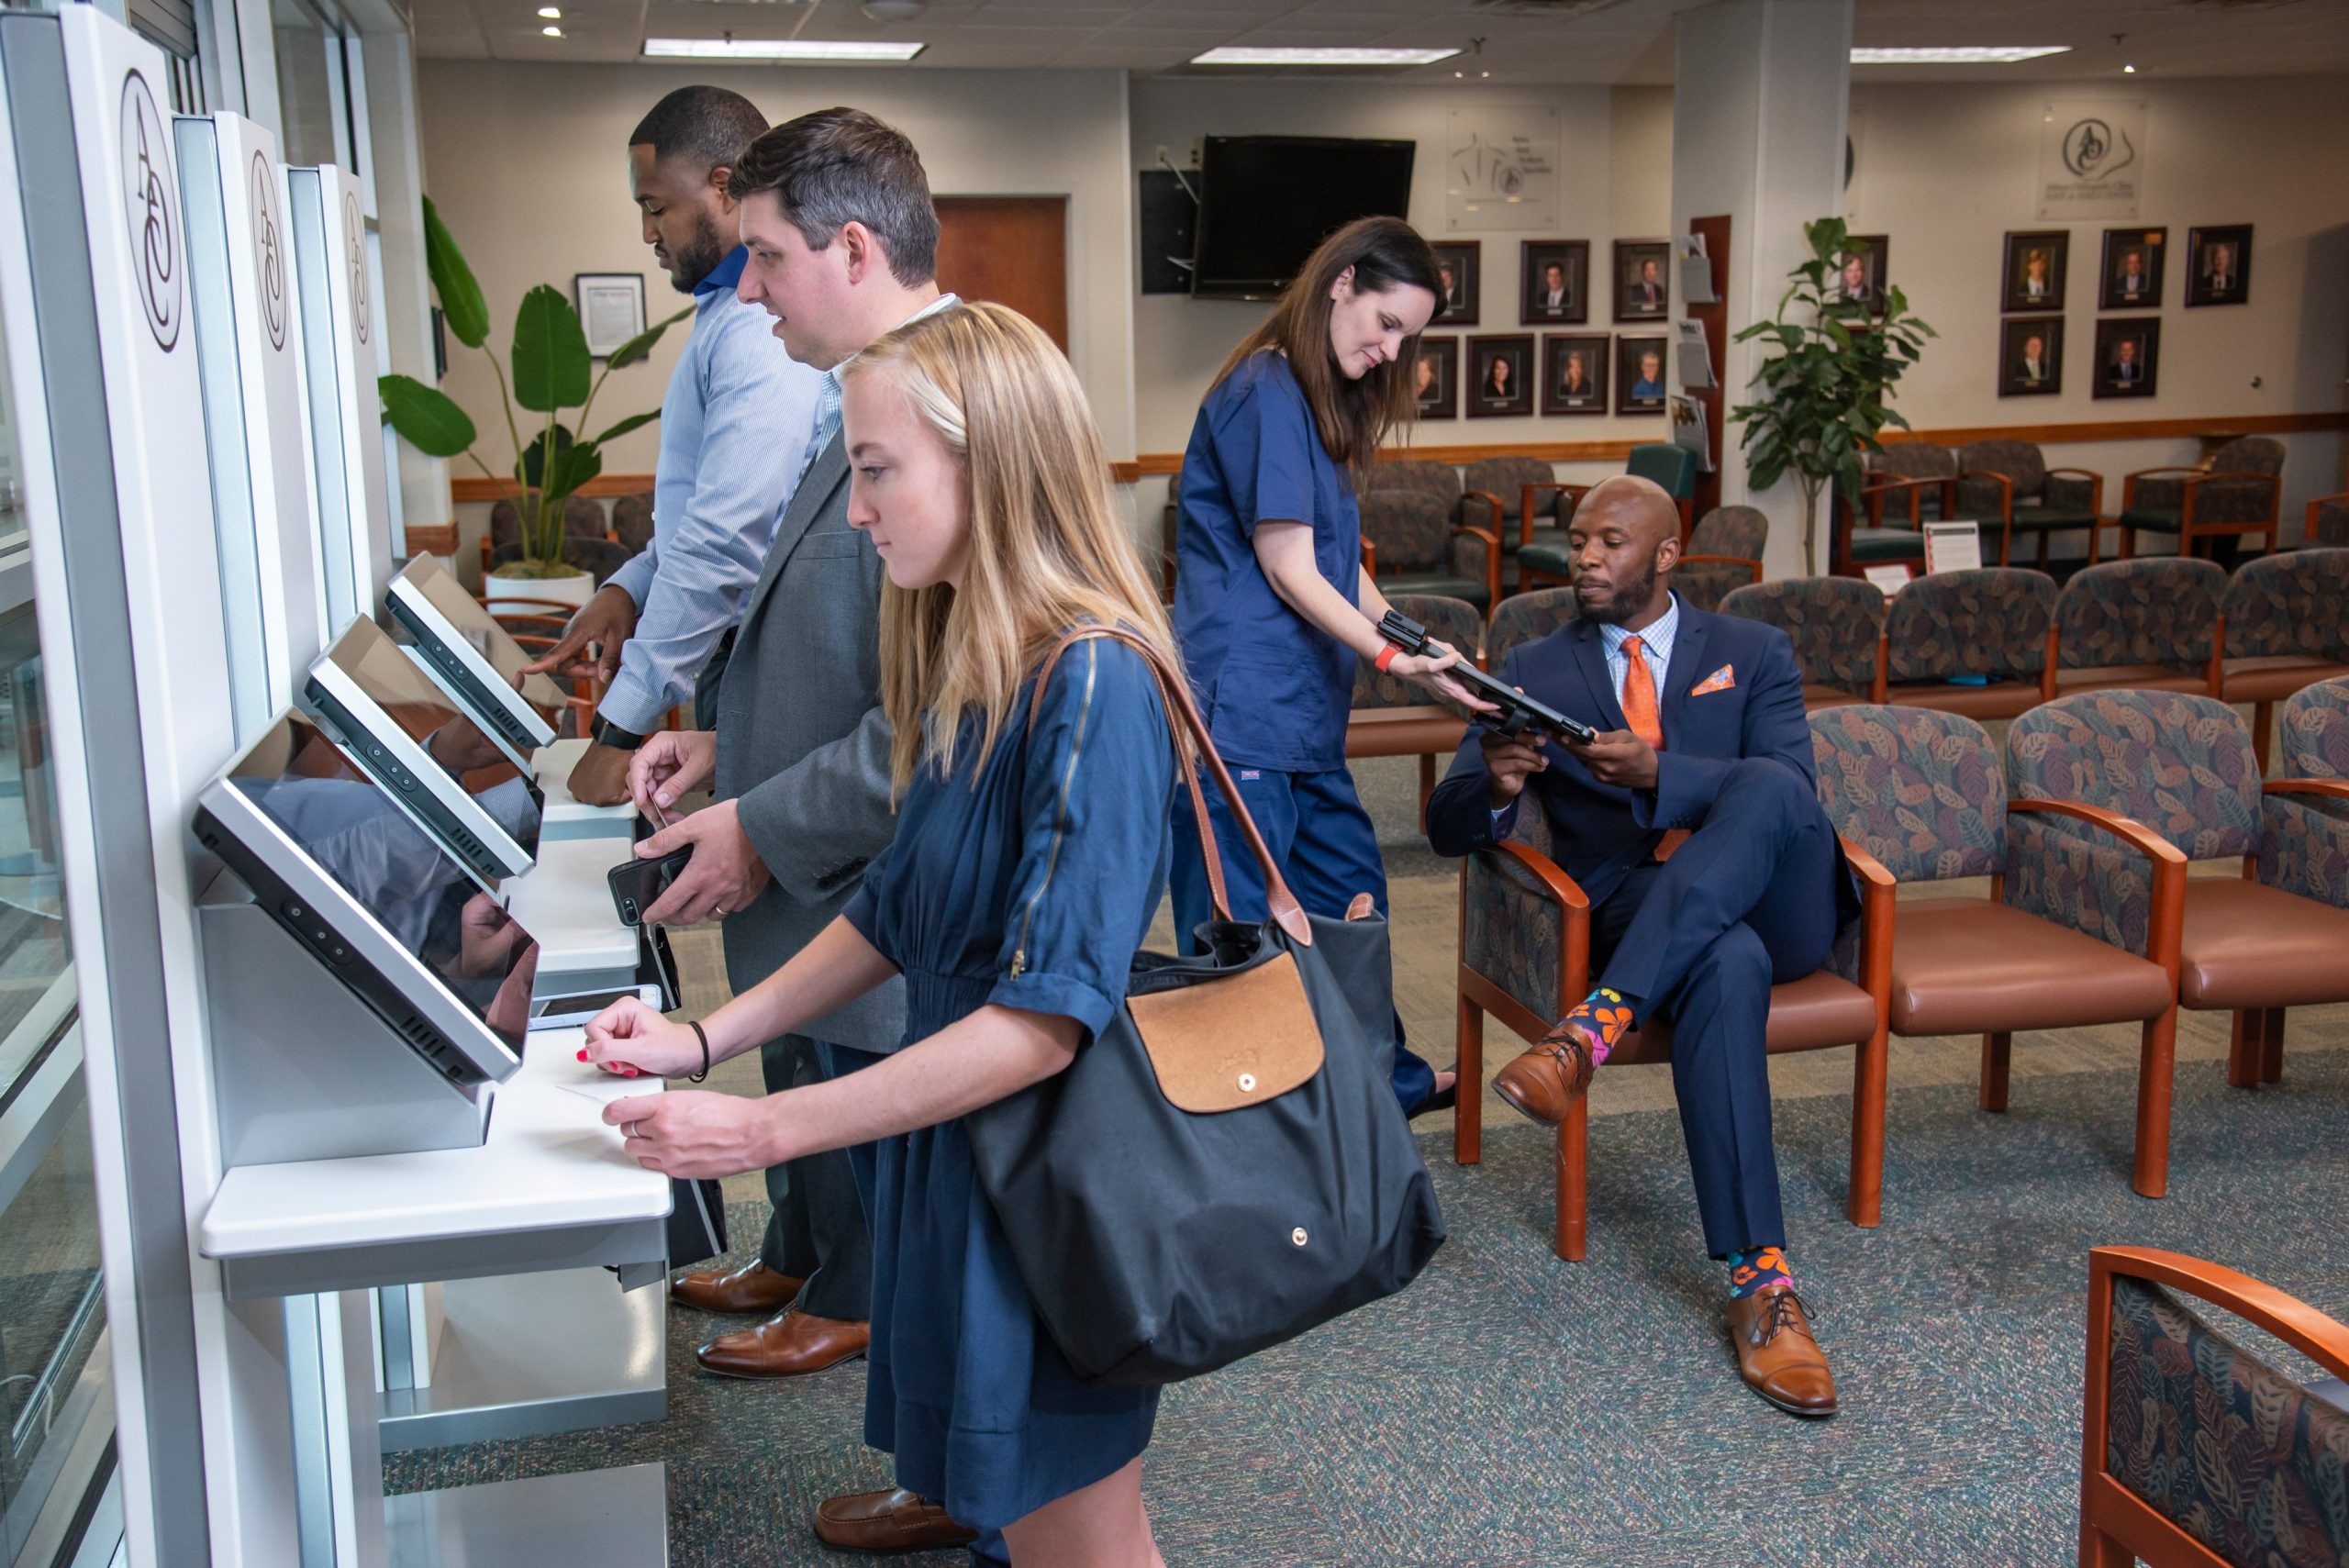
(1271, 605)
(1031, 844)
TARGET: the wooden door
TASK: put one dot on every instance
(1011, 249)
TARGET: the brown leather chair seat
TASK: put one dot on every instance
(1809, 1014)
(2249, 946)
(1969, 966)
(2131, 678)
(2271, 677)
(1403, 731)
(1999, 699)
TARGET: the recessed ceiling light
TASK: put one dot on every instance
(1968, 54)
(777, 48)
(1239, 54)
(2128, 71)
(551, 13)
(552, 32)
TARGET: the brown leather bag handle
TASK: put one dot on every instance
(1175, 693)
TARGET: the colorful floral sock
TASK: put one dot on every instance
(1757, 1268)
(1606, 1016)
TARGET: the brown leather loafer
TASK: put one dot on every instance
(1776, 1355)
(791, 1345)
(752, 1288)
(1545, 1082)
(894, 1520)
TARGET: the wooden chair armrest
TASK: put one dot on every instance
(2096, 484)
(2193, 488)
(1747, 561)
(2167, 919)
(1525, 503)
(1555, 885)
(1370, 559)
(2335, 789)
(2005, 483)
(2290, 1319)
(1870, 870)
(1491, 500)
(1879, 893)
(2307, 529)
(1491, 563)
(1876, 487)
(2160, 473)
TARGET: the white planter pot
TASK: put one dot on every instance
(575, 590)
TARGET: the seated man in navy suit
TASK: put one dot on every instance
(1693, 824)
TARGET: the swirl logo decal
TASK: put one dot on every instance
(153, 223)
(354, 255)
(269, 251)
(2095, 150)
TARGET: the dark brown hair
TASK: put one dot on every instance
(838, 166)
(1352, 417)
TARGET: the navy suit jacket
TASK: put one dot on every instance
(1601, 831)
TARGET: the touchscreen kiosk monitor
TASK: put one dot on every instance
(411, 738)
(473, 656)
(343, 868)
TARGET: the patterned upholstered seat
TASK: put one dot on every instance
(2288, 625)
(1395, 718)
(2150, 623)
(1724, 552)
(2242, 492)
(1972, 642)
(1526, 618)
(2184, 767)
(2009, 486)
(1525, 946)
(1837, 627)
(1416, 549)
(632, 520)
(1923, 791)
(2198, 1449)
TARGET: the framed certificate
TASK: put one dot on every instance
(611, 308)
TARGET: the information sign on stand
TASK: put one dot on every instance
(1953, 547)
(330, 269)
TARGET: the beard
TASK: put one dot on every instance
(1631, 595)
(699, 258)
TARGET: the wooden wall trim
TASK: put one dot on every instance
(473, 488)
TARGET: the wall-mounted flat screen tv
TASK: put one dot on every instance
(1267, 201)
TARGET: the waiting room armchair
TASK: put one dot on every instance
(1671, 466)
(2053, 945)
(2195, 1453)
(1527, 617)
(1411, 547)
(1528, 487)
(1724, 552)
(2008, 484)
(2150, 624)
(2241, 492)
(1837, 627)
(632, 522)
(1525, 957)
(1396, 717)
(2328, 521)
(2287, 626)
(1981, 643)
(2183, 766)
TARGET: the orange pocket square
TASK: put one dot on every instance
(1720, 680)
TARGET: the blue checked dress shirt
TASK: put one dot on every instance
(1655, 651)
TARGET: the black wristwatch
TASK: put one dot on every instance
(604, 732)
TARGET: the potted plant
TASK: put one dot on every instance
(1828, 388)
(552, 376)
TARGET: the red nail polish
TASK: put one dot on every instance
(583, 1053)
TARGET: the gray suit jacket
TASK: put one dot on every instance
(802, 746)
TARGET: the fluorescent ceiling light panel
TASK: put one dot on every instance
(1965, 54)
(1240, 54)
(778, 48)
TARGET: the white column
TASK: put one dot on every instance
(421, 482)
(1760, 94)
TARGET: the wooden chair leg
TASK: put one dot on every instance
(1866, 1200)
(1998, 1052)
(1468, 1110)
(1427, 785)
(2271, 1047)
(1572, 1239)
(2045, 539)
(2263, 715)
(2099, 1549)
(2156, 1062)
(2242, 1049)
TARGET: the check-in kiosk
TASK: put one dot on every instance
(339, 351)
(473, 657)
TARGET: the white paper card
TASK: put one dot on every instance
(1953, 547)
(1890, 578)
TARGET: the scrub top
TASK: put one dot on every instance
(1274, 688)
(1027, 880)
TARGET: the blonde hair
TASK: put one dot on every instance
(1047, 550)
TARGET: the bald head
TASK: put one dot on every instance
(1625, 539)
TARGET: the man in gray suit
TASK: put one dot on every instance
(842, 244)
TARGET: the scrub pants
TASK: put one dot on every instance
(1327, 849)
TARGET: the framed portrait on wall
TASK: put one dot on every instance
(2131, 276)
(1860, 275)
(2033, 275)
(611, 308)
(1459, 263)
(1554, 277)
(1573, 373)
(1642, 293)
(2128, 356)
(2217, 265)
(1638, 374)
(1435, 378)
(1503, 372)
(2030, 356)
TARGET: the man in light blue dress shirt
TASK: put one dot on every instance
(735, 436)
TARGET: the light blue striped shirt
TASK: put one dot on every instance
(736, 432)
(1656, 652)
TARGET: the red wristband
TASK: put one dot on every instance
(1385, 657)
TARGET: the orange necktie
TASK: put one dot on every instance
(1640, 711)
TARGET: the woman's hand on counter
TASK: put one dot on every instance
(696, 1133)
(630, 1039)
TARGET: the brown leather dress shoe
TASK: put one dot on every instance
(1776, 1355)
(1545, 1082)
(754, 1287)
(790, 1345)
(894, 1520)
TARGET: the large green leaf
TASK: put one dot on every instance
(550, 363)
(534, 456)
(461, 302)
(640, 345)
(425, 417)
(634, 421)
